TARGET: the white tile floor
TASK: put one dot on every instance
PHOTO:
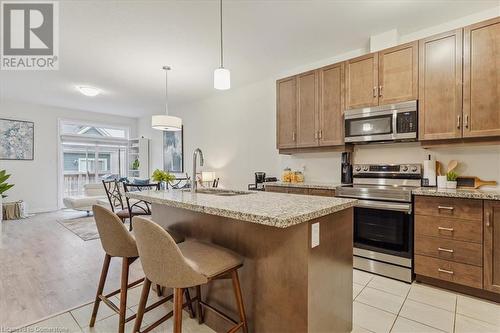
(386, 305)
(379, 305)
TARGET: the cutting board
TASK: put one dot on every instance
(474, 182)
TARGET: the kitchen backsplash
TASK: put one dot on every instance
(480, 161)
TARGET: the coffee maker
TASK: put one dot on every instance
(346, 168)
(260, 178)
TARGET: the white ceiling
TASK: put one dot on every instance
(120, 46)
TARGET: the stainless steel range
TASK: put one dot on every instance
(383, 217)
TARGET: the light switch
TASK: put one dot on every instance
(314, 235)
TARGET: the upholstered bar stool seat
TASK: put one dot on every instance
(208, 259)
(182, 266)
(118, 242)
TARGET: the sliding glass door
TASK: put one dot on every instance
(89, 153)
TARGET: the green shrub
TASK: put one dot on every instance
(162, 176)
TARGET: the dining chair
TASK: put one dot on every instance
(138, 207)
(113, 192)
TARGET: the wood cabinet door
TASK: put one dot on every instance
(361, 81)
(307, 111)
(286, 112)
(331, 105)
(440, 86)
(482, 79)
(492, 246)
(398, 74)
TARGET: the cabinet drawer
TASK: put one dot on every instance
(322, 192)
(458, 251)
(468, 209)
(449, 228)
(464, 274)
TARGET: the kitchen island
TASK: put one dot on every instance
(297, 273)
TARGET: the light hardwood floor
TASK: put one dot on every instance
(46, 269)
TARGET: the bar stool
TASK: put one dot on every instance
(189, 264)
(118, 242)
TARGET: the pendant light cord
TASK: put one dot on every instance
(166, 68)
(221, 40)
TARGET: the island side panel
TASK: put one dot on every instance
(330, 274)
(274, 277)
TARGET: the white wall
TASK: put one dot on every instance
(236, 130)
(36, 182)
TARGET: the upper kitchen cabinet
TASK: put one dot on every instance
(482, 79)
(307, 110)
(386, 77)
(440, 86)
(286, 112)
(361, 81)
(331, 105)
(492, 246)
(398, 74)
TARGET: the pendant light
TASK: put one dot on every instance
(222, 76)
(164, 122)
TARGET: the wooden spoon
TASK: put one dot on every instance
(452, 165)
(438, 168)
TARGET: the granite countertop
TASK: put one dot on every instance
(319, 185)
(272, 209)
(458, 193)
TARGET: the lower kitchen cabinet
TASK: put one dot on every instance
(457, 241)
(301, 190)
(492, 246)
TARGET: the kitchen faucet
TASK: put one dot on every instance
(194, 183)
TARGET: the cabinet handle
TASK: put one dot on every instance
(316, 135)
(488, 219)
(458, 122)
(445, 250)
(466, 121)
(293, 135)
(446, 207)
(445, 229)
(445, 271)
(380, 91)
(375, 92)
(320, 134)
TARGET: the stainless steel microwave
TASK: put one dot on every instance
(393, 122)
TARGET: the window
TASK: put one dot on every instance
(89, 153)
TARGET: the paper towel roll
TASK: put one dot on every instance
(429, 178)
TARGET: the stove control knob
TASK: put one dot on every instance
(414, 169)
(405, 168)
(357, 168)
(365, 168)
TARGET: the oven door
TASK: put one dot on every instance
(376, 127)
(385, 227)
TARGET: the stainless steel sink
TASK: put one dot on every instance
(223, 193)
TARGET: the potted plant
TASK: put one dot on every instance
(162, 177)
(4, 187)
(451, 179)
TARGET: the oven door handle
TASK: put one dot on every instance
(384, 205)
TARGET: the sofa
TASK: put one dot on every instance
(93, 194)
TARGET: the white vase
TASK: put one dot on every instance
(451, 184)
